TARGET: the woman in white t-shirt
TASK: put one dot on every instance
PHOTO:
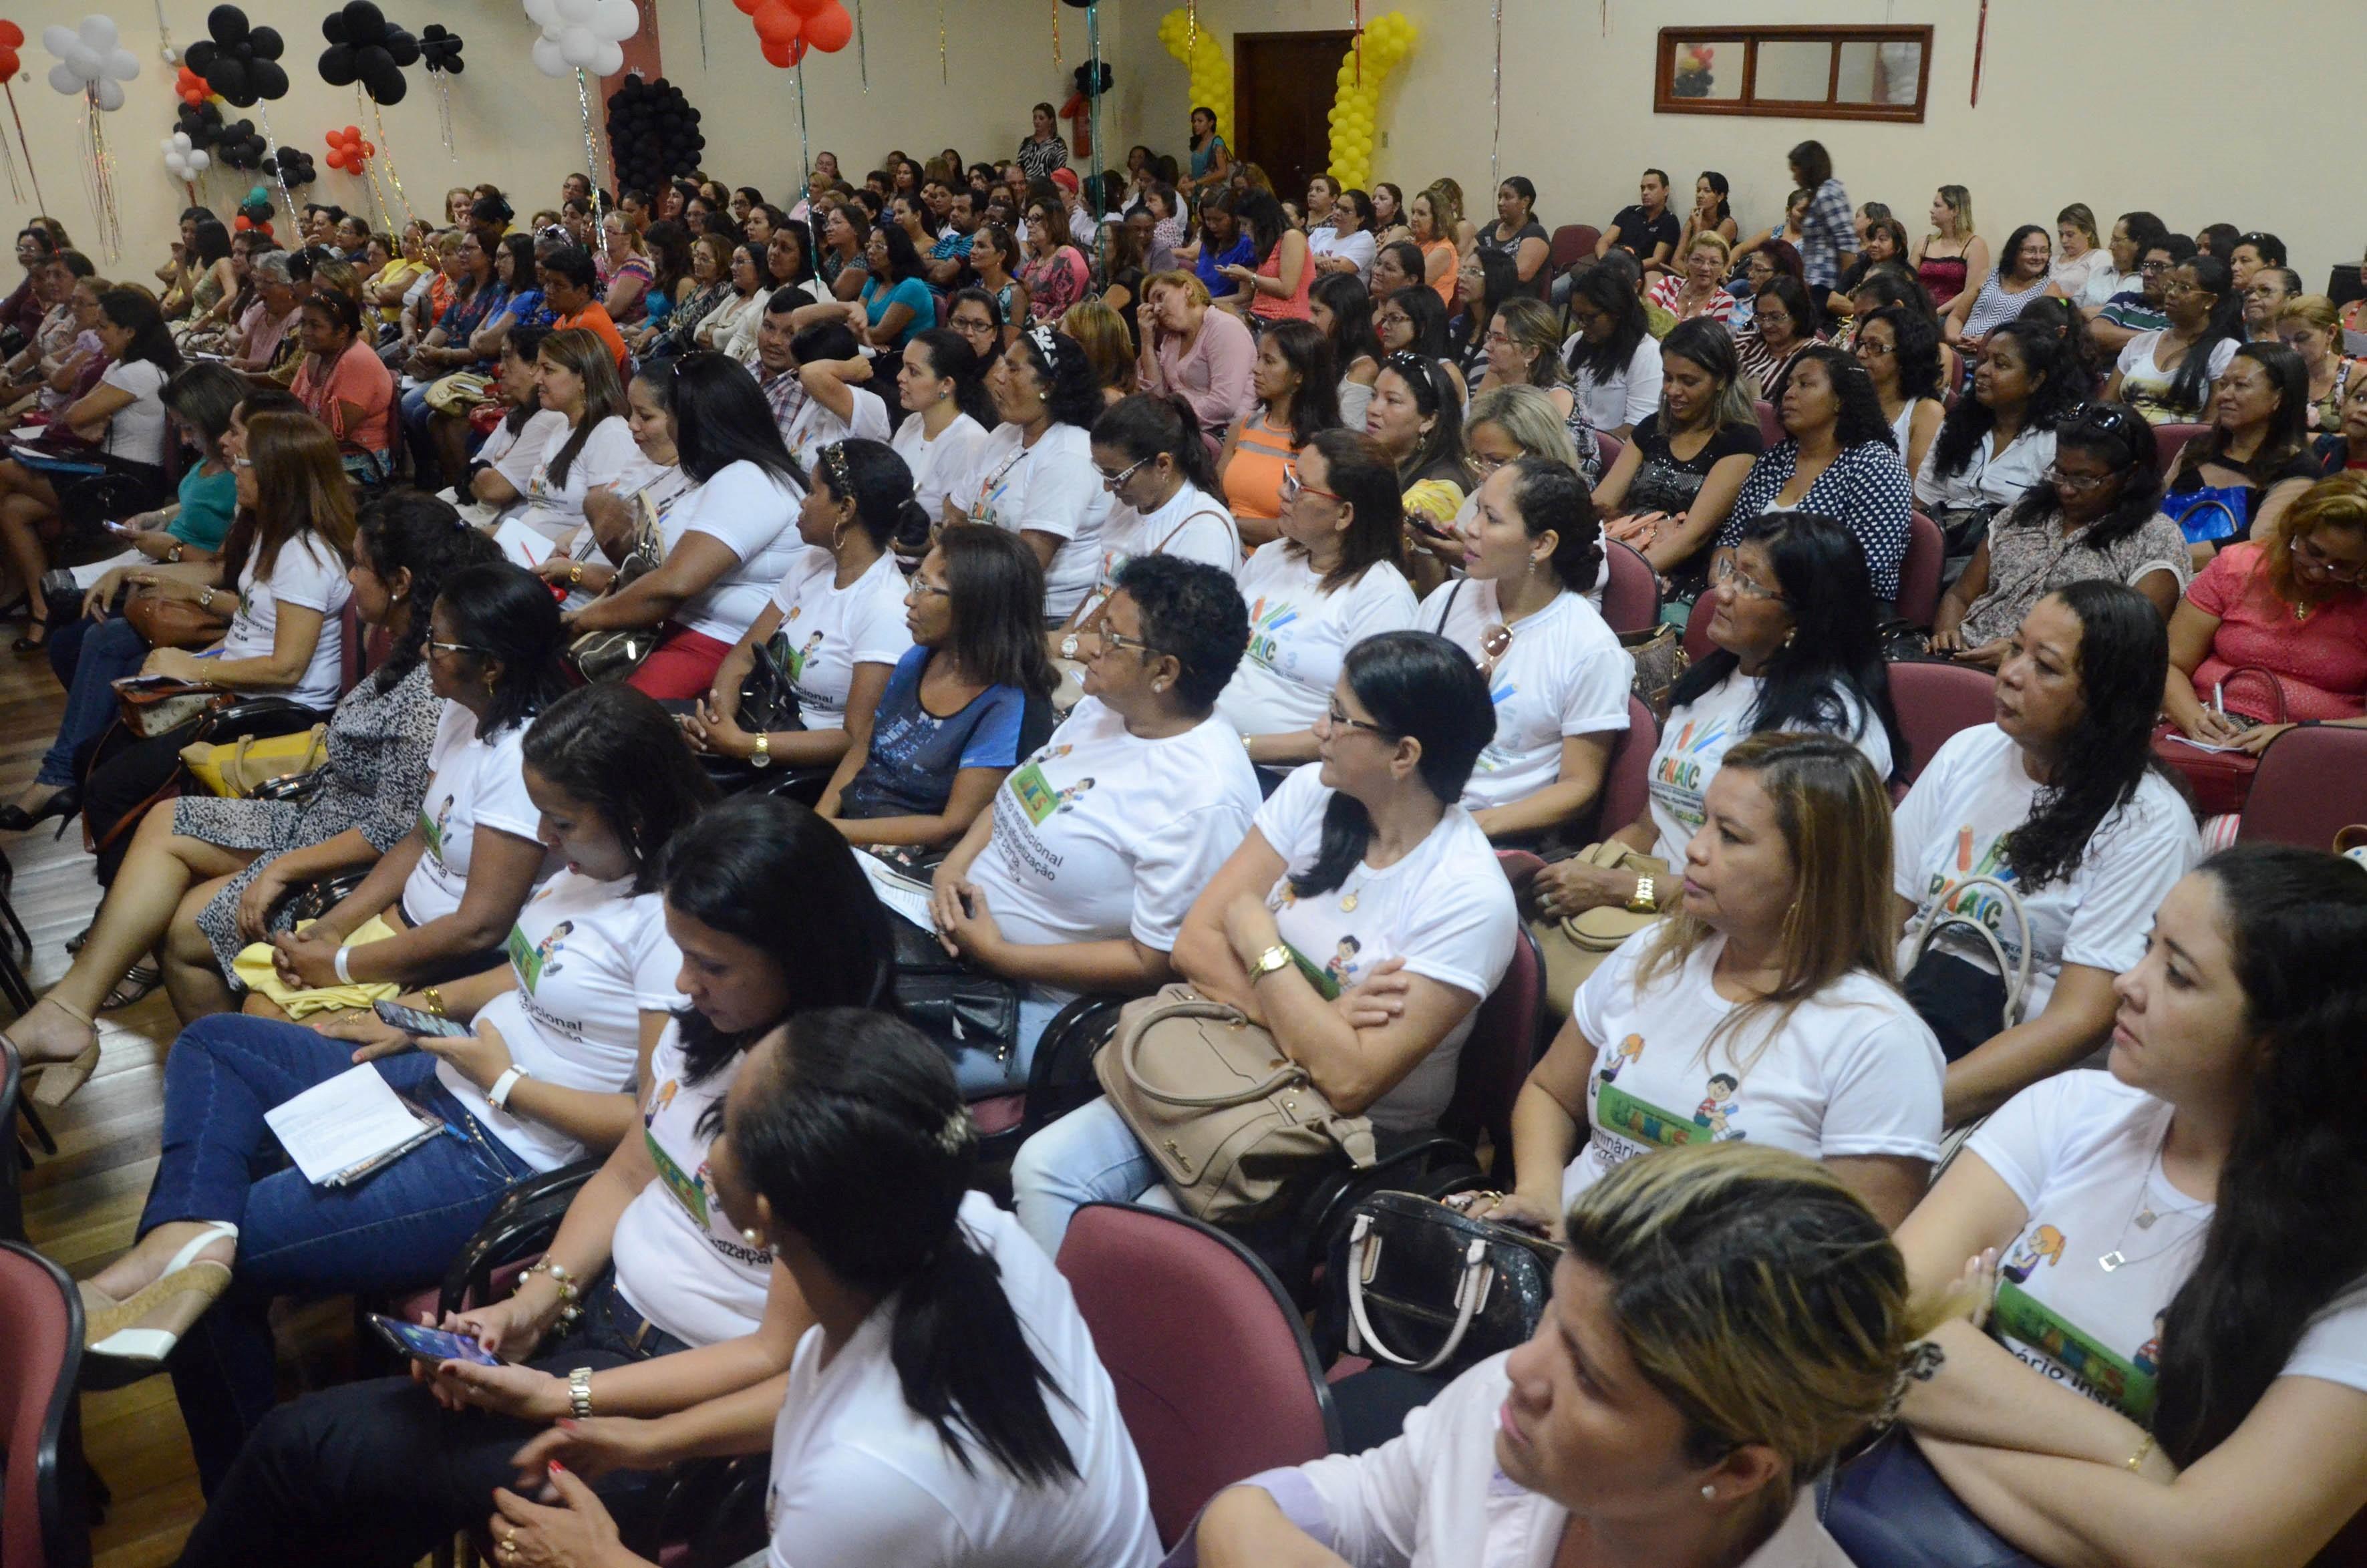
(562, 1031)
(616, 513)
(649, 1298)
(594, 449)
(835, 627)
(1034, 474)
(1614, 359)
(1796, 650)
(730, 538)
(2062, 800)
(1997, 445)
(2167, 1258)
(946, 1407)
(1763, 1008)
(943, 387)
(1330, 580)
(1359, 864)
(1079, 878)
(1557, 675)
(440, 903)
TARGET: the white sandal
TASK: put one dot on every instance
(182, 1293)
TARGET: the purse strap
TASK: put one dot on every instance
(1130, 1048)
(2276, 687)
(2016, 975)
(1365, 1253)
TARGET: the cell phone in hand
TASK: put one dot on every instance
(431, 1344)
(115, 527)
(411, 1020)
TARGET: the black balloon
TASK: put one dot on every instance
(201, 123)
(365, 47)
(241, 145)
(1083, 76)
(440, 47)
(239, 61)
(653, 133)
(290, 166)
(1081, 5)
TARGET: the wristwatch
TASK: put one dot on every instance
(579, 1393)
(763, 756)
(1643, 903)
(1274, 958)
(1069, 646)
(172, 556)
(498, 1097)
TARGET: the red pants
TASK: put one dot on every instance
(683, 666)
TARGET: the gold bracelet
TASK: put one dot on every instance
(435, 1002)
(2137, 1459)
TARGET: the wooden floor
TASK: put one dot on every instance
(82, 1204)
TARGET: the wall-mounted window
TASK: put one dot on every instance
(1794, 72)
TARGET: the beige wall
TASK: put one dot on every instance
(2107, 102)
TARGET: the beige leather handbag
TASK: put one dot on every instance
(1574, 945)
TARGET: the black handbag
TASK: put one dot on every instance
(768, 700)
(1888, 1506)
(959, 1007)
(1425, 1287)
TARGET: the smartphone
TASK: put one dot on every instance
(431, 1344)
(411, 1020)
(115, 527)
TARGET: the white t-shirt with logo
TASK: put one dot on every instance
(475, 784)
(1693, 743)
(1190, 524)
(1564, 674)
(1051, 487)
(513, 457)
(679, 1259)
(938, 466)
(826, 630)
(1954, 823)
(1300, 636)
(1446, 908)
(1852, 1072)
(136, 431)
(860, 1480)
(591, 958)
(554, 508)
(814, 426)
(755, 517)
(307, 573)
(2081, 1152)
(1103, 833)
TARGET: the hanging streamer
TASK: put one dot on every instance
(444, 111)
(1056, 32)
(393, 174)
(1357, 24)
(1980, 46)
(702, 35)
(862, 49)
(8, 165)
(591, 135)
(804, 153)
(1094, 123)
(32, 173)
(1496, 103)
(271, 145)
(943, 76)
(98, 176)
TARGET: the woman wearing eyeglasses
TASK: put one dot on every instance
(1531, 551)
(1079, 878)
(2291, 605)
(2234, 480)
(2170, 375)
(1523, 348)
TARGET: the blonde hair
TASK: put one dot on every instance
(1715, 241)
(2082, 218)
(1835, 818)
(1532, 323)
(1445, 201)
(1756, 1293)
(2338, 502)
(2316, 310)
(1109, 347)
(1189, 282)
(1960, 202)
(1526, 414)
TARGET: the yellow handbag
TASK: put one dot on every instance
(236, 769)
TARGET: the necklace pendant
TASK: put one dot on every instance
(2145, 1219)
(1348, 905)
(2111, 1260)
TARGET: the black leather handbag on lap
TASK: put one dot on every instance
(1425, 1287)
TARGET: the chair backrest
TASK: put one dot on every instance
(43, 1520)
(1571, 243)
(1216, 1376)
(1935, 701)
(1919, 572)
(1501, 1048)
(1770, 428)
(1697, 643)
(12, 1197)
(1631, 589)
(2311, 783)
(1627, 772)
(353, 650)
(2168, 440)
(1608, 449)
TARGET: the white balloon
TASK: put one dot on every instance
(181, 143)
(99, 32)
(200, 161)
(543, 13)
(57, 37)
(110, 95)
(63, 78)
(615, 20)
(123, 65)
(577, 11)
(167, 146)
(579, 47)
(546, 59)
(84, 61)
(609, 59)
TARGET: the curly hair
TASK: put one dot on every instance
(1861, 418)
(2057, 387)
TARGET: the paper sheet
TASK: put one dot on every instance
(333, 1127)
(898, 892)
(523, 544)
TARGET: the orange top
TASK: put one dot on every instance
(595, 319)
(1254, 479)
(1445, 287)
(1274, 307)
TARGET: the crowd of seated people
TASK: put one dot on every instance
(1082, 590)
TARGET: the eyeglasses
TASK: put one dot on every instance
(1495, 339)
(1749, 588)
(2178, 286)
(1336, 718)
(2306, 552)
(2083, 484)
(1293, 487)
(435, 647)
(1101, 632)
(1115, 481)
(920, 587)
(2154, 268)
(1482, 464)
(1869, 349)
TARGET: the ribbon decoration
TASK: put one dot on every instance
(702, 35)
(1356, 26)
(1093, 120)
(444, 114)
(591, 135)
(943, 76)
(31, 173)
(1496, 103)
(271, 145)
(862, 49)
(99, 175)
(1980, 47)
(393, 176)
(1056, 32)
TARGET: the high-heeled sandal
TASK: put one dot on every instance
(29, 643)
(51, 1084)
(62, 804)
(138, 1332)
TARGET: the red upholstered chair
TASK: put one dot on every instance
(1935, 701)
(2168, 440)
(2311, 784)
(1216, 1376)
(1571, 243)
(1505, 1040)
(1628, 775)
(1697, 643)
(44, 1514)
(1608, 448)
(1631, 591)
(1919, 572)
(1770, 428)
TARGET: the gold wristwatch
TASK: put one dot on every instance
(1643, 903)
(763, 756)
(1274, 958)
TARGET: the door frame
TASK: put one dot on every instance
(1346, 37)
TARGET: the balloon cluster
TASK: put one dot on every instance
(1694, 78)
(190, 88)
(1356, 110)
(91, 59)
(787, 28)
(253, 211)
(239, 61)
(1212, 79)
(582, 35)
(439, 47)
(239, 145)
(184, 159)
(12, 39)
(365, 47)
(200, 121)
(290, 168)
(654, 134)
(348, 151)
(1086, 84)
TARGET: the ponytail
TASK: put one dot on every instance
(965, 1366)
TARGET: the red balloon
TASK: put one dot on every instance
(749, 8)
(11, 34)
(775, 23)
(353, 133)
(10, 64)
(811, 8)
(783, 55)
(829, 29)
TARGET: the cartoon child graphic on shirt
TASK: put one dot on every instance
(1064, 798)
(1719, 1108)
(2044, 1245)
(547, 950)
(659, 1101)
(436, 829)
(1629, 1049)
(2148, 1357)
(1342, 967)
(798, 660)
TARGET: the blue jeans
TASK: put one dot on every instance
(982, 1075)
(1088, 1155)
(393, 1230)
(105, 654)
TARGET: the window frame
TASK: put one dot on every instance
(1748, 104)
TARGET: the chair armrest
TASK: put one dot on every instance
(261, 717)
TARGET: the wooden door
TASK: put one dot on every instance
(1283, 87)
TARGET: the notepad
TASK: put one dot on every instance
(341, 1130)
(522, 544)
(898, 892)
